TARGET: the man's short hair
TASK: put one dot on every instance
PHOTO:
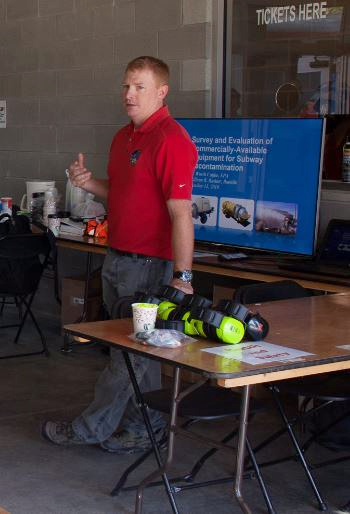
(159, 68)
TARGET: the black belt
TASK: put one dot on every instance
(129, 254)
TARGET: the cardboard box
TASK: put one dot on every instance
(72, 307)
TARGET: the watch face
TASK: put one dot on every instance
(185, 275)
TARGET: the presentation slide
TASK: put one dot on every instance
(256, 183)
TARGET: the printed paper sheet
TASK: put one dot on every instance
(257, 352)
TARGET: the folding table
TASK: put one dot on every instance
(319, 325)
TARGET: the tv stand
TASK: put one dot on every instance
(265, 269)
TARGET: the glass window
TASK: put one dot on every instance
(290, 61)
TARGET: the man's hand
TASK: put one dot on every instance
(78, 174)
(186, 287)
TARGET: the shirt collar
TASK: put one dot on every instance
(152, 121)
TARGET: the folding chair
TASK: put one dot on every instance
(199, 401)
(324, 390)
(23, 258)
(270, 291)
(122, 307)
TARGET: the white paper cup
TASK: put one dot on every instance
(144, 316)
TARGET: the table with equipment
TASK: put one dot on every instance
(319, 325)
(254, 268)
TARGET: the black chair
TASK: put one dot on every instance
(23, 258)
(270, 291)
(199, 401)
(122, 307)
(321, 392)
(324, 389)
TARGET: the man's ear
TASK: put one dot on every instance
(163, 91)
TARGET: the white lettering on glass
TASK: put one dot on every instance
(291, 13)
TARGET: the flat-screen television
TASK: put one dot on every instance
(257, 182)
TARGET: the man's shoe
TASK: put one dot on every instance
(60, 432)
(126, 442)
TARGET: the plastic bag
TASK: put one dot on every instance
(75, 196)
(80, 203)
(90, 209)
(162, 337)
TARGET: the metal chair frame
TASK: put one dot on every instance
(327, 399)
(30, 252)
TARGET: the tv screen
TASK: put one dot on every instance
(256, 184)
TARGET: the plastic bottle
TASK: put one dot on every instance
(50, 204)
(346, 161)
(54, 223)
(36, 206)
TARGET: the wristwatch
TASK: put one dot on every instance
(184, 275)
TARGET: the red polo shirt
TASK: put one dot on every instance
(148, 166)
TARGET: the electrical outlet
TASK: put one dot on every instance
(2, 113)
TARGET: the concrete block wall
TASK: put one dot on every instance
(61, 64)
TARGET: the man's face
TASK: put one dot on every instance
(142, 95)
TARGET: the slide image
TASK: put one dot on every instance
(276, 217)
(204, 210)
(236, 213)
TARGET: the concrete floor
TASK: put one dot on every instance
(40, 478)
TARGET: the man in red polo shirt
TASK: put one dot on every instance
(149, 185)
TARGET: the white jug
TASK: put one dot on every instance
(35, 186)
(75, 197)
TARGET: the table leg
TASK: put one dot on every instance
(162, 468)
(86, 287)
(55, 274)
(243, 424)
